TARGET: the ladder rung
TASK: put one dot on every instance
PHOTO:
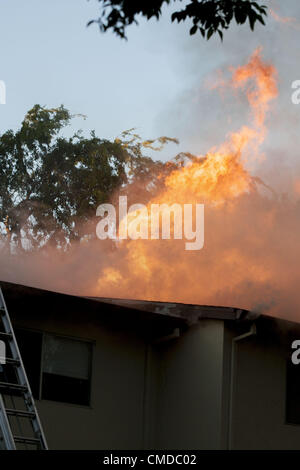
(20, 413)
(5, 335)
(26, 440)
(21, 388)
(11, 361)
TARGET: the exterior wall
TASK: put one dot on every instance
(144, 394)
(115, 417)
(258, 412)
(173, 394)
(189, 373)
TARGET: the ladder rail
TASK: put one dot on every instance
(21, 374)
(5, 427)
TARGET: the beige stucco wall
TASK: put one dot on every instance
(165, 395)
(174, 394)
(115, 417)
(189, 383)
(258, 415)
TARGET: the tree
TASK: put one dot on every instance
(207, 16)
(50, 185)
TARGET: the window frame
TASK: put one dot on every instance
(88, 341)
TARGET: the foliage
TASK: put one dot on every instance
(50, 185)
(207, 16)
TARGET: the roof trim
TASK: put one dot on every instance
(189, 313)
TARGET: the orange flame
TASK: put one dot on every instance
(282, 19)
(217, 179)
(251, 248)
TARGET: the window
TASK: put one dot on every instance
(58, 368)
(293, 393)
(66, 370)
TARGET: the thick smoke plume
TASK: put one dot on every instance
(251, 249)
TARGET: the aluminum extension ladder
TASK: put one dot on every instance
(23, 415)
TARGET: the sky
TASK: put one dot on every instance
(157, 81)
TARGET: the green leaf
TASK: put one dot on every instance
(193, 30)
(210, 32)
(260, 18)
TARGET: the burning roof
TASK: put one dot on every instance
(184, 313)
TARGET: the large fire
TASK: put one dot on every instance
(251, 249)
(161, 269)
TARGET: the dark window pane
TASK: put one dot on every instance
(293, 393)
(30, 345)
(66, 370)
(65, 389)
(66, 356)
